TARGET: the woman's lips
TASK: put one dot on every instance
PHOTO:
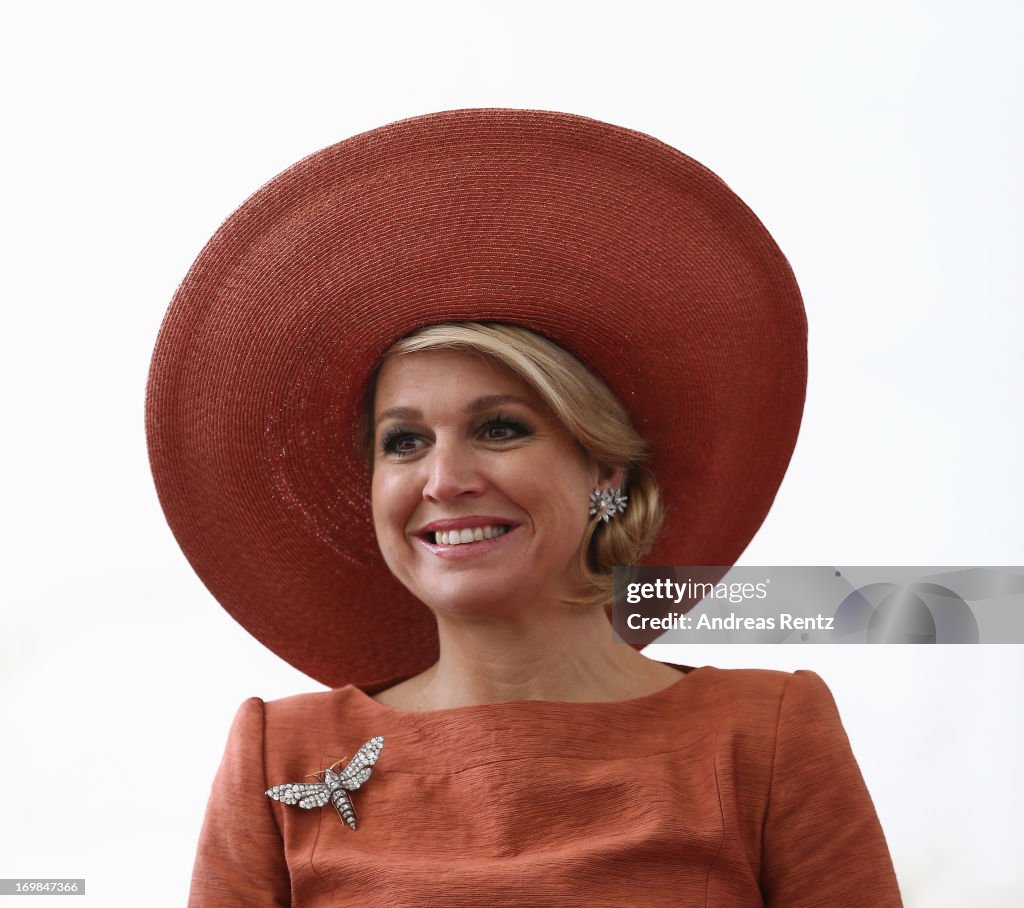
(468, 535)
(463, 537)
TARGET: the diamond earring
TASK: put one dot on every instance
(606, 503)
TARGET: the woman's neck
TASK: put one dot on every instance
(566, 654)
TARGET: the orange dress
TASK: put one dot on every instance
(727, 788)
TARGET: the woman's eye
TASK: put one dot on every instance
(401, 444)
(500, 429)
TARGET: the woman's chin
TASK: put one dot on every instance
(481, 599)
(469, 600)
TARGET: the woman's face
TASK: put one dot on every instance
(480, 497)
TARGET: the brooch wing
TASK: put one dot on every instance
(361, 766)
(305, 794)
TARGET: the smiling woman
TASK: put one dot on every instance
(446, 482)
(479, 451)
(539, 391)
(480, 508)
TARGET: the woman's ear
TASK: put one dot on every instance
(610, 477)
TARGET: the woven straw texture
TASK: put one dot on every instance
(626, 252)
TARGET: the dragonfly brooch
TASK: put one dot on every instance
(335, 786)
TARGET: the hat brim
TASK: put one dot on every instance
(629, 254)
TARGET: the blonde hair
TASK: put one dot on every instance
(590, 413)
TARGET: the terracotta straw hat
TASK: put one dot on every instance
(629, 254)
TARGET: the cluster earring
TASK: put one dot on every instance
(606, 503)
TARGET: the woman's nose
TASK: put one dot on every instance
(452, 471)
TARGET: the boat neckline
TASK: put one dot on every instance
(536, 704)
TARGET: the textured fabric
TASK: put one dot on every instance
(728, 788)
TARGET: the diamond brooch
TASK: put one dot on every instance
(335, 785)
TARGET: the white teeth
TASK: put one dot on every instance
(477, 534)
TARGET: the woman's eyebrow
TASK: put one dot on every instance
(399, 413)
(475, 406)
(493, 400)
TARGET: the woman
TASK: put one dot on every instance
(512, 305)
(462, 444)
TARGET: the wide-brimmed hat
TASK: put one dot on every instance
(628, 253)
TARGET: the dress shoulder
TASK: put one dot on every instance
(823, 843)
(240, 858)
(747, 698)
(301, 707)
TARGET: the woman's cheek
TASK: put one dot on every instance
(394, 501)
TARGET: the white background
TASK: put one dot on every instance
(881, 143)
